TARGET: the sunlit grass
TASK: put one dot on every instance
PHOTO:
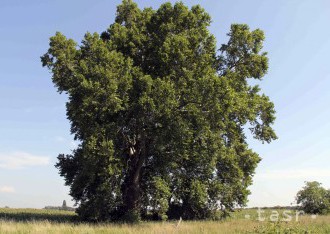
(61, 222)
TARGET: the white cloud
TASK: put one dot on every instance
(17, 160)
(306, 174)
(7, 189)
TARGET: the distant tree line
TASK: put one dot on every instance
(63, 207)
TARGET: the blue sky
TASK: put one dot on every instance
(34, 128)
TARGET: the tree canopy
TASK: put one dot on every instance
(313, 198)
(161, 114)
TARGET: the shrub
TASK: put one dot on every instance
(314, 199)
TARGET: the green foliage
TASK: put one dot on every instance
(158, 198)
(314, 199)
(160, 114)
(281, 228)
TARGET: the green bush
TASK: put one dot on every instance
(313, 198)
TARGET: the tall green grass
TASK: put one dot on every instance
(52, 221)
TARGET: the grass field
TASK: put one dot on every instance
(52, 221)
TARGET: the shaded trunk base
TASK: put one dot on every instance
(131, 199)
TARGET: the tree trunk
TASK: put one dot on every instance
(131, 186)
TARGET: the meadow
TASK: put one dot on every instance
(245, 221)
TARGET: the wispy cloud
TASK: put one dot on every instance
(306, 174)
(7, 189)
(17, 160)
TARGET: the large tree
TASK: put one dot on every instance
(161, 114)
(313, 198)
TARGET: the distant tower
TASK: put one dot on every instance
(64, 204)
